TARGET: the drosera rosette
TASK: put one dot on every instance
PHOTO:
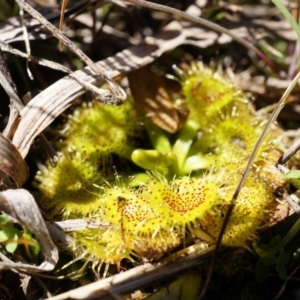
(97, 129)
(92, 135)
(67, 187)
(148, 221)
(135, 228)
(206, 92)
(229, 137)
(222, 127)
(186, 189)
(228, 124)
(254, 206)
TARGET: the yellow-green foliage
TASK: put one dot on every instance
(104, 129)
(150, 213)
(207, 92)
(227, 125)
(93, 133)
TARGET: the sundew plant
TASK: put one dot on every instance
(155, 190)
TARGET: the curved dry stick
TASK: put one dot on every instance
(289, 152)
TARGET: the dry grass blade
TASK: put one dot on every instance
(62, 17)
(12, 164)
(16, 106)
(8, 84)
(59, 67)
(10, 88)
(21, 206)
(59, 237)
(289, 152)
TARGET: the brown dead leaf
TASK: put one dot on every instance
(152, 99)
(13, 168)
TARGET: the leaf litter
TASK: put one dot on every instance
(44, 108)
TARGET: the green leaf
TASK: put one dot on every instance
(147, 159)
(8, 232)
(187, 286)
(288, 16)
(261, 272)
(34, 245)
(3, 236)
(273, 243)
(268, 260)
(4, 219)
(292, 174)
(35, 249)
(281, 269)
(12, 246)
(283, 257)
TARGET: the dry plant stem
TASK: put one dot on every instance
(14, 113)
(16, 105)
(285, 283)
(272, 118)
(61, 21)
(208, 24)
(12, 122)
(292, 200)
(42, 285)
(118, 93)
(142, 275)
(289, 153)
(293, 203)
(56, 66)
(26, 40)
(8, 84)
(60, 238)
(79, 224)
